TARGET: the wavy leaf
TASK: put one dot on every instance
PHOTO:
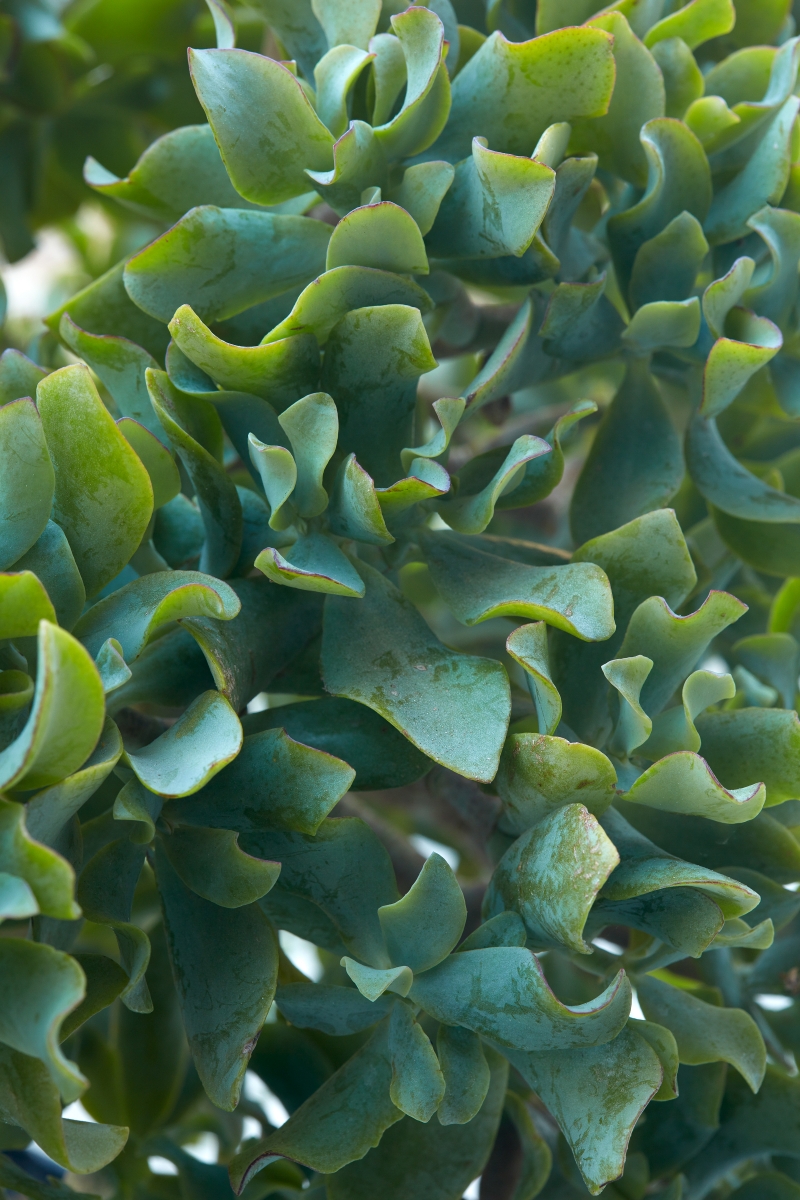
(382, 654)
(476, 586)
(501, 993)
(551, 876)
(103, 506)
(208, 947)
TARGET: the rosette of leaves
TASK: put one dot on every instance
(238, 491)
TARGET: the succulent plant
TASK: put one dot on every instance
(239, 487)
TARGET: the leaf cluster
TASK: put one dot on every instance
(435, 472)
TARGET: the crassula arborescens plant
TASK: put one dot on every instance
(241, 489)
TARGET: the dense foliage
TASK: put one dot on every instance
(253, 478)
(89, 77)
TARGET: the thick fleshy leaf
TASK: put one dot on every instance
(762, 181)
(422, 928)
(17, 900)
(728, 485)
(695, 23)
(721, 296)
(581, 323)
(342, 1120)
(483, 481)
(768, 1119)
(278, 472)
(312, 425)
(344, 871)
(275, 782)
(507, 365)
(752, 342)
(52, 561)
(679, 180)
(417, 1086)
(665, 1046)
(775, 659)
(40, 986)
(494, 207)
(426, 103)
(638, 97)
(28, 1097)
(325, 301)
(19, 376)
(106, 890)
(120, 366)
(104, 307)
(243, 662)
(551, 876)
(313, 563)
(354, 26)
(543, 474)
(219, 504)
(279, 372)
(381, 653)
(208, 946)
(381, 235)
(49, 876)
(158, 462)
(769, 546)
(200, 743)
(359, 167)
(265, 254)
(380, 756)
(501, 993)
(596, 1095)
(753, 743)
(134, 612)
(211, 864)
(267, 164)
(664, 324)
(333, 1010)
(355, 510)
(644, 868)
(103, 504)
(421, 191)
(49, 810)
(23, 604)
(706, 1032)
(466, 1074)
(513, 92)
(674, 729)
(178, 171)
(666, 266)
(427, 1161)
(335, 76)
(780, 230)
(635, 464)
(476, 586)
(427, 480)
(539, 774)
(674, 643)
(374, 982)
(26, 489)
(136, 804)
(527, 645)
(683, 782)
(633, 726)
(66, 717)
(374, 358)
